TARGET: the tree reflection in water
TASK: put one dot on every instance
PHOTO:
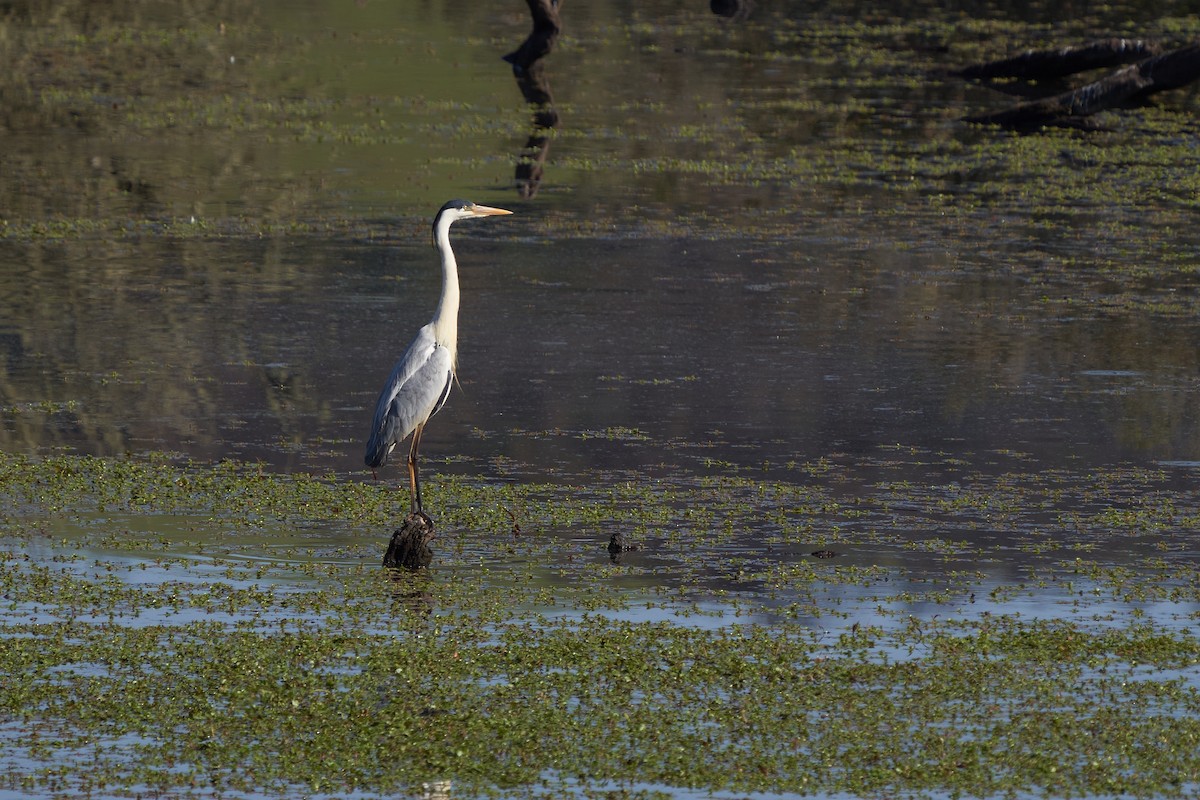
(530, 73)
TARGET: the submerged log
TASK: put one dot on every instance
(1124, 87)
(409, 547)
(1043, 65)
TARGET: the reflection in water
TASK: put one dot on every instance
(246, 349)
(527, 68)
(853, 329)
(619, 544)
(733, 9)
(413, 594)
(858, 354)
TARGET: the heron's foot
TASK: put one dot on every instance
(421, 518)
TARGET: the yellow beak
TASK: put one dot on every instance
(488, 211)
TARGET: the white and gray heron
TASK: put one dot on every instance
(421, 380)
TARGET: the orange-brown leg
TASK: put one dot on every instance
(414, 484)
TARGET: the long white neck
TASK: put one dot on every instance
(445, 319)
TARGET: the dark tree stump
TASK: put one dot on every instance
(618, 545)
(409, 547)
(1127, 86)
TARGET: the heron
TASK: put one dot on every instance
(421, 380)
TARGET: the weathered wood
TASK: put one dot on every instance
(1124, 87)
(1040, 65)
(409, 547)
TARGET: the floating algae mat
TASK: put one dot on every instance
(179, 630)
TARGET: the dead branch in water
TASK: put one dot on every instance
(1042, 65)
(1127, 86)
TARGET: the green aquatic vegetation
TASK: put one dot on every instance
(516, 659)
(183, 628)
(759, 710)
(843, 125)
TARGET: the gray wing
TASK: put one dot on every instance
(418, 386)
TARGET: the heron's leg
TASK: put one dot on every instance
(414, 484)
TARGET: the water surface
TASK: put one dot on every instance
(772, 297)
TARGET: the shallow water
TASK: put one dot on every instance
(772, 297)
(705, 325)
(667, 352)
(666, 307)
(756, 319)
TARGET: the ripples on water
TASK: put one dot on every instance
(718, 319)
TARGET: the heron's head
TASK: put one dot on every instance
(463, 209)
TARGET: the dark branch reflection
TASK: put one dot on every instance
(732, 9)
(529, 71)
